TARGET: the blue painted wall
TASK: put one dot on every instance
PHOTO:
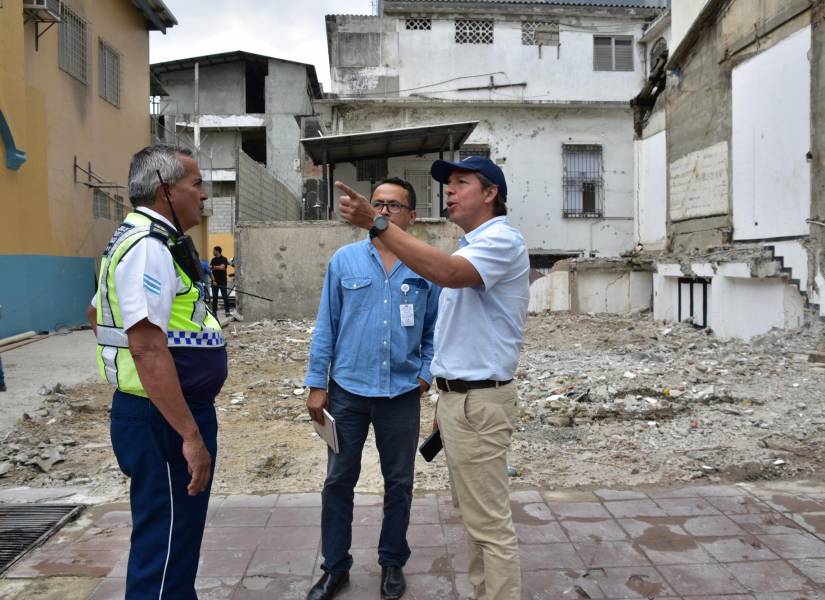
(44, 293)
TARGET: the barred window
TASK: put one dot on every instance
(418, 24)
(100, 206)
(473, 31)
(109, 73)
(612, 53)
(583, 181)
(537, 33)
(120, 209)
(372, 169)
(468, 150)
(73, 51)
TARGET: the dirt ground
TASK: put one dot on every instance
(605, 402)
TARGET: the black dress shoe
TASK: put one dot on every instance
(393, 584)
(329, 585)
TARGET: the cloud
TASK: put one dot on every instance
(292, 30)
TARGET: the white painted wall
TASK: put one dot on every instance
(651, 191)
(682, 15)
(771, 132)
(556, 74)
(795, 257)
(527, 143)
(665, 299)
(612, 292)
(551, 292)
(744, 308)
(738, 306)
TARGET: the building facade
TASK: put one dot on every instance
(739, 131)
(73, 87)
(549, 83)
(221, 103)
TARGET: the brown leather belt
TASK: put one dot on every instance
(462, 387)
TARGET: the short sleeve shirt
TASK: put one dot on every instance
(146, 281)
(479, 331)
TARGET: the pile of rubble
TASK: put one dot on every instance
(671, 402)
(604, 401)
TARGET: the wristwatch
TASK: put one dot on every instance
(379, 226)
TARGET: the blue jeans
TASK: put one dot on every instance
(167, 523)
(2, 377)
(395, 421)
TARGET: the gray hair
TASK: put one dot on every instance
(143, 177)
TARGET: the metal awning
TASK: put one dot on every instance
(408, 141)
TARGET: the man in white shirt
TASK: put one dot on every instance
(163, 351)
(478, 336)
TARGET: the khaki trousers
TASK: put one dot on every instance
(476, 429)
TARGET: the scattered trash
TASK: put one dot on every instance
(513, 471)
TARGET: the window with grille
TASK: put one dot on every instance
(109, 73)
(120, 209)
(100, 207)
(72, 52)
(537, 33)
(418, 24)
(372, 169)
(473, 31)
(468, 150)
(583, 181)
(612, 53)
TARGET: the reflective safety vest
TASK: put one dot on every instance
(191, 325)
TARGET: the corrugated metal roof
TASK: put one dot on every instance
(605, 3)
(406, 141)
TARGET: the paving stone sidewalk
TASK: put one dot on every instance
(757, 542)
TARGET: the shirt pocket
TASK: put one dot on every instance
(417, 296)
(356, 293)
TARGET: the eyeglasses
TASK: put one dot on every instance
(393, 207)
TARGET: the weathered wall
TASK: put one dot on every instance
(287, 262)
(527, 143)
(48, 227)
(651, 191)
(609, 291)
(697, 102)
(286, 96)
(222, 89)
(816, 265)
(379, 56)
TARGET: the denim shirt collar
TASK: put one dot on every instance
(470, 237)
(377, 256)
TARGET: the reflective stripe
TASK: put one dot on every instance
(171, 527)
(208, 338)
(117, 338)
(109, 356)
(112, 336)
(105, 308)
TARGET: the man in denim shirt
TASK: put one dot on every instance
(369, 362)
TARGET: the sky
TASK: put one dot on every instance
(288, 29)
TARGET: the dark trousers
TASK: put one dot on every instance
(167, 523)
(395, 421)
(224, 295)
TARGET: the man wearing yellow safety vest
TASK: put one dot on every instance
(164, 352)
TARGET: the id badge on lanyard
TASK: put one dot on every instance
(407, 309)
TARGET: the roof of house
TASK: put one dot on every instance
(184, 64)
(608, 3)
(157, 14)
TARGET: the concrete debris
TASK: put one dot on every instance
(603, 401)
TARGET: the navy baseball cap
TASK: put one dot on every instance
(441, 170)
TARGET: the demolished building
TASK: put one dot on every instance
(730, 167)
